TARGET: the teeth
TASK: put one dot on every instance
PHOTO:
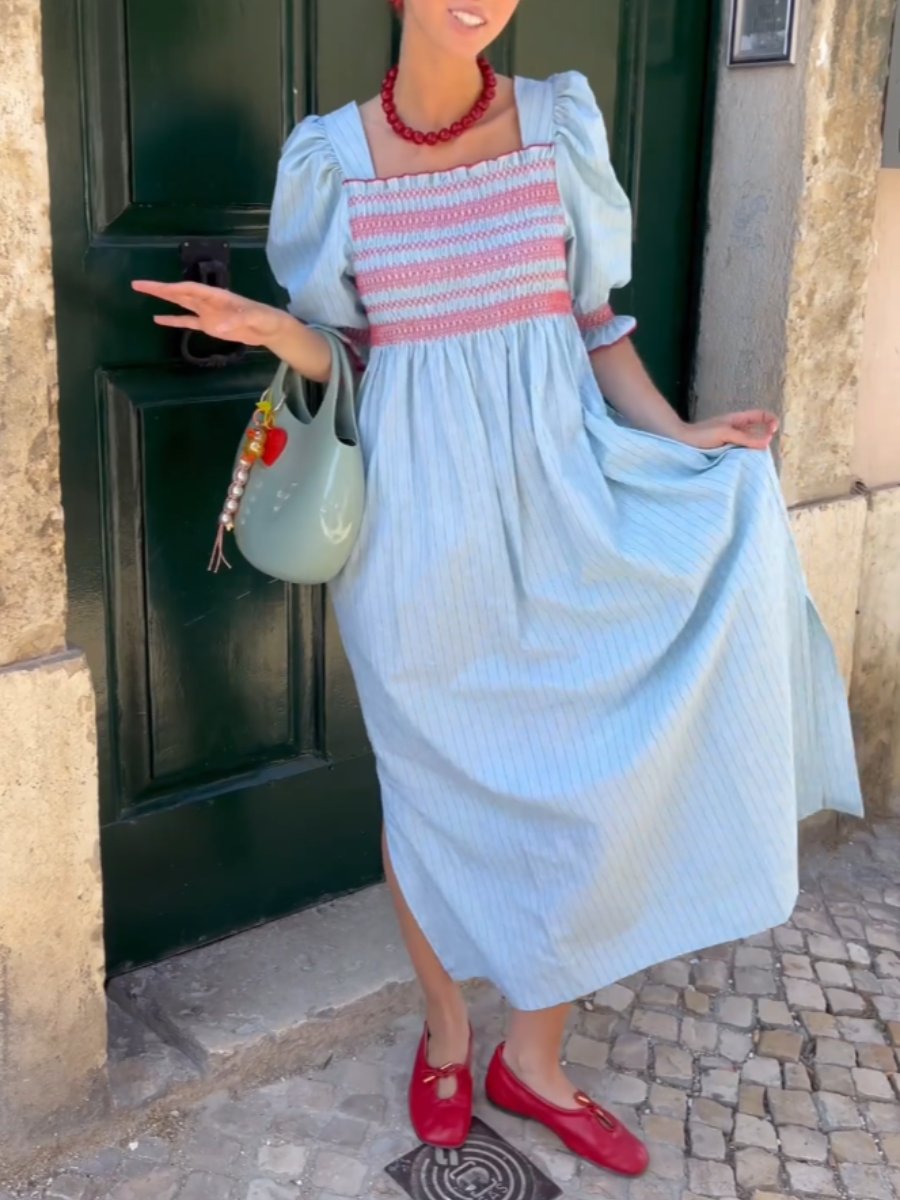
(468, 19)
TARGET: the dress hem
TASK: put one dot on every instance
(541, 1000)
(738, 932)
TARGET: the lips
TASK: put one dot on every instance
(469, 17)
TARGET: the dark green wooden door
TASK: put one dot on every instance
(236, 779)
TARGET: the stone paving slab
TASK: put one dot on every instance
(744, 1084)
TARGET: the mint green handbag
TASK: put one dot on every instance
(297, 491)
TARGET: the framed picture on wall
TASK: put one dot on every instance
(763, 32)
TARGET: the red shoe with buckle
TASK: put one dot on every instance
(588, 1130)
(439, 1120)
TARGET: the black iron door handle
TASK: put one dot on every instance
(208, 261)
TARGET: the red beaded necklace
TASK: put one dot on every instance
(479, 108)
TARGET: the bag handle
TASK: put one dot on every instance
(339, 403)
(338, 406)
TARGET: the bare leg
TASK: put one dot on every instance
(445, 1007)
(533, 1051)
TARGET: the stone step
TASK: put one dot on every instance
(272, 1000)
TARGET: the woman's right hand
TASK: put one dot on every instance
(217, 312)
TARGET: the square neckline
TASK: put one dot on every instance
(460, 168)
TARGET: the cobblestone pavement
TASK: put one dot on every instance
(764, 1068)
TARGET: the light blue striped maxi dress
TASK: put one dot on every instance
(598, 690)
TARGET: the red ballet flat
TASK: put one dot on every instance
(589, 1130)
(438, 1120)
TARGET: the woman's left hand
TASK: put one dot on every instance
(752, 427)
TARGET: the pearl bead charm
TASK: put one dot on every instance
(261, 433)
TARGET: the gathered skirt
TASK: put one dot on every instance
(599, 692)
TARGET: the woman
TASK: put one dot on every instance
(598, 690)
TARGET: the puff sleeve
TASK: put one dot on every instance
(308, 246)
(598, 212)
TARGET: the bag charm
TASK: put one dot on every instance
(258, 445)
(296, 498)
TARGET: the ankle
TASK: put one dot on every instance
(447, 1016)
(531, 1062)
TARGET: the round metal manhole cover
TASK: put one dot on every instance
(486, 1168)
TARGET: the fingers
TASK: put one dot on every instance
(179, 322)
(740, 437)
(754, 416)
(751, 427)
(187, 294)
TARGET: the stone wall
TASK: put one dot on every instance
(875, 694)
(52, 1005)
(833, 246)
(32, 580)
(876, 448)
(876, 461)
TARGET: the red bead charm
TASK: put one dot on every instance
(276, 440)
(433, 137)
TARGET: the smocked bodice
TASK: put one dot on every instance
(480, 249)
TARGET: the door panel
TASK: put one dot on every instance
(587, 40)
(228, 712)
(237, 782)
(206, 99)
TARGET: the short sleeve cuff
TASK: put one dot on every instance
(603, 327)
